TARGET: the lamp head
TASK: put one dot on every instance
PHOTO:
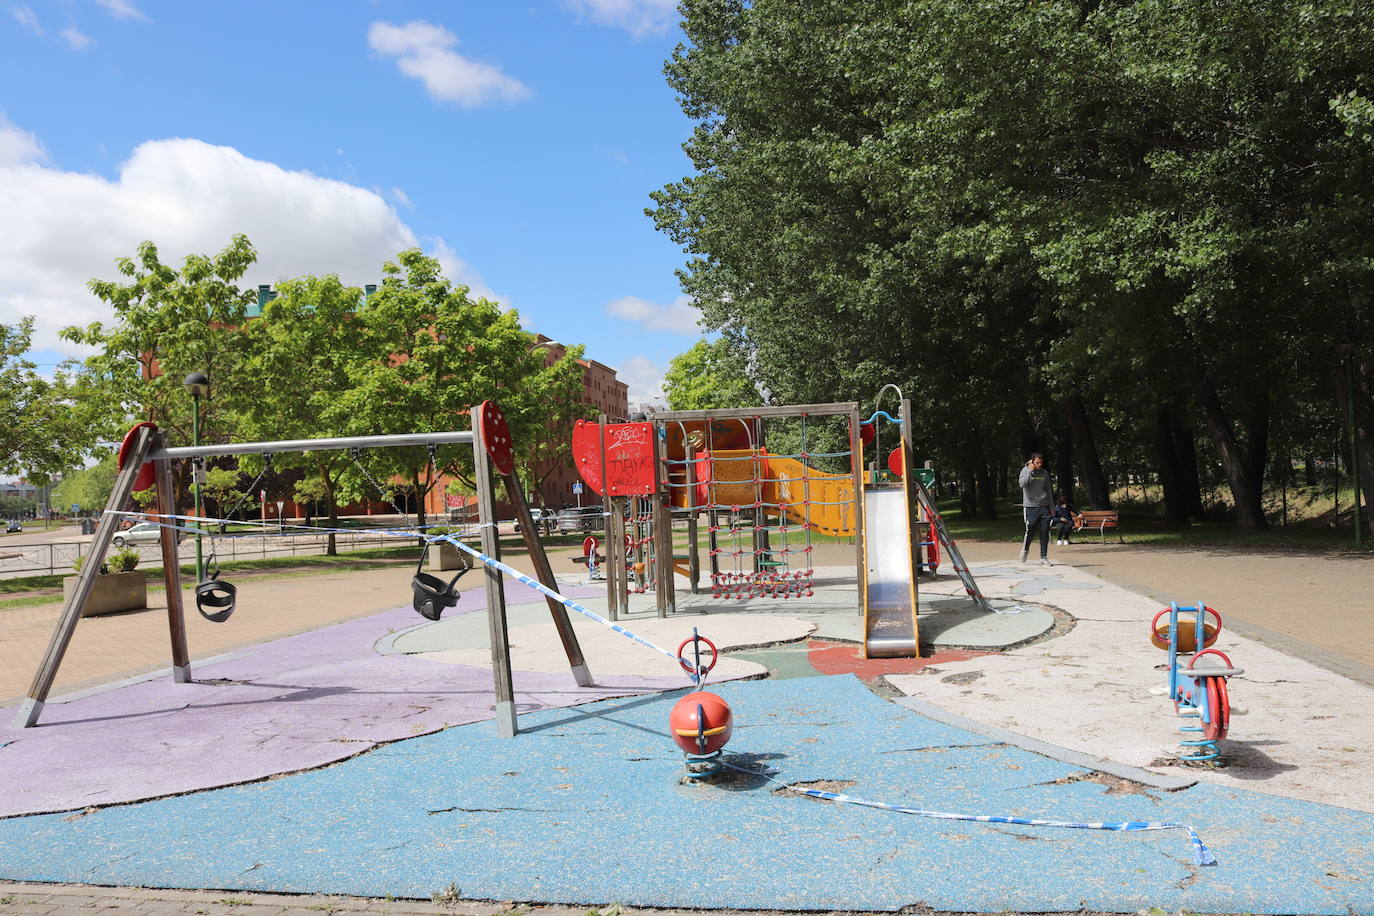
(197, 384)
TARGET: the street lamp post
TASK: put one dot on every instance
(199, 386)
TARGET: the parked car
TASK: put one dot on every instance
(545, 520)
(13, 525)
(573, 519)
(141, 533)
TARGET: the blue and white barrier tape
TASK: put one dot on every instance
(1201, 854)
(450, 539)
(566, 602)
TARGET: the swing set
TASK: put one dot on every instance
(146, 461)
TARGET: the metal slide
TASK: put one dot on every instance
(889, 580)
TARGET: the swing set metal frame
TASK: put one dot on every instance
(146, 446)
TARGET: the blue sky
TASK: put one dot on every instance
(518, 142)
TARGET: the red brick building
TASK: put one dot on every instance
(604, 393)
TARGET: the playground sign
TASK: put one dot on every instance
(629, 458)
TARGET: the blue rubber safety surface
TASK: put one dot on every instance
(586, 806)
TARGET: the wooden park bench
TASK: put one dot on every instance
(1101, 520)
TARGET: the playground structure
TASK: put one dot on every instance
(146, 461)
(761, 510)
(1198, 692)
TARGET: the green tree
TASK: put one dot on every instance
(52, 424)
(709, 376)
(302, 352)
(1007, 206)
(89, 487)
(431, 352)
(169, 323)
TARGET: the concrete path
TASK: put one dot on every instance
(1298, 730)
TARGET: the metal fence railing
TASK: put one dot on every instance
(61, 556)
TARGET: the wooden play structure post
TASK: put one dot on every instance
(664, 594)
(141, 441)
(495, 586)
(693, 554)
(544, 573)
(171, 566)
(856, 465)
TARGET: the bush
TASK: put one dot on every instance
(123, 560)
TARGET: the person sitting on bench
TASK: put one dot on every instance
(1065, 519)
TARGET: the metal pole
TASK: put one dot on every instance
(316, 445)
(195, 484)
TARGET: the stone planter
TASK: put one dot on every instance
(126, 591)
(444, 556)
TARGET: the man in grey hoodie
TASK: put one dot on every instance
(1037, 502)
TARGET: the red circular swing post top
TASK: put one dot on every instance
(145, 477)
(496, 435)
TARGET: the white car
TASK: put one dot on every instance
(544, 519)
(141, 533)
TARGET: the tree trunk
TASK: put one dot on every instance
(1185, 447)
(968, 490)
(1170, 472)
(332, 505)
(1063, 462)
(1257, 443)
(1248, 514)
(987, 494)
(1364, 426)
(420, 494)
(1309, 470)
(1099, 496)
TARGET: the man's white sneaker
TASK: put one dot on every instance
(1024, 553)
(1045, 561)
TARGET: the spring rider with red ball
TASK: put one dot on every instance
(700, 722)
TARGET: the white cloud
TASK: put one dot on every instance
(425, 51)
(76, 39)
(18, 146)
(187, 197)
(638, 17)
(25, 16)
(401, 197)
(460, 271)
(645, 378)
(121, 9)
(680, 317)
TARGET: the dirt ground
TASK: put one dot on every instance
(1316, 607)
(114, 646)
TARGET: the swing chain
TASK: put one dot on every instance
(212, 562)
(383, 492)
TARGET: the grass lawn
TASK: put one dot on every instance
(1144, 527)
(32, 590)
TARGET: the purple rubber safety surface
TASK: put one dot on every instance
(296, 703)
